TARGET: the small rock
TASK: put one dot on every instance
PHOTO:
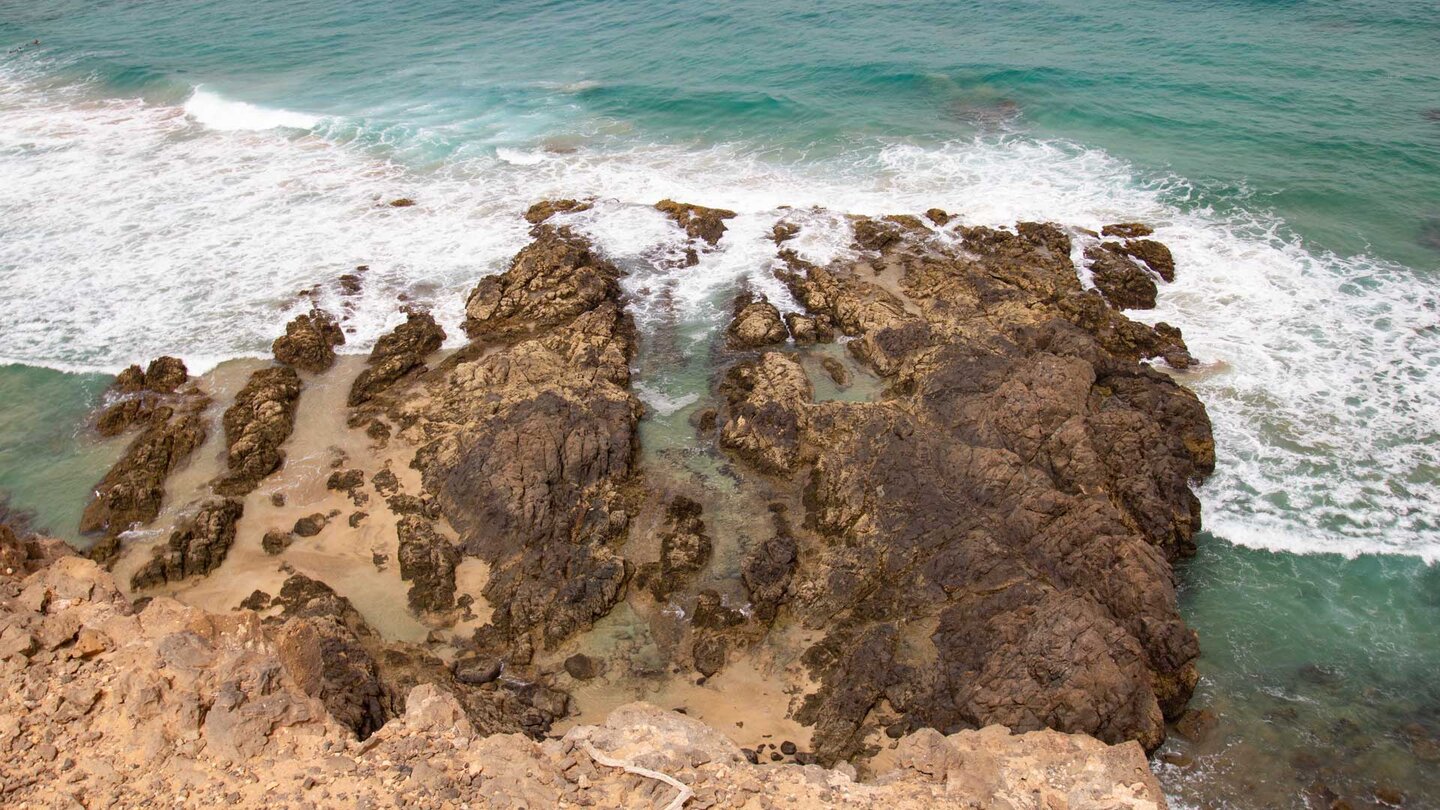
(276, 541)
(356, 518)
(344, 480)
(477, 670)
(402, 202)
(311, 525)
(581, 667)
(788, 748)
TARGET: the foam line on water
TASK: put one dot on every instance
(129, 231)
(217, 112)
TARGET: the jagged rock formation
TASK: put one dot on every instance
(543, 210)
(196, 547)
(104, 705)
(552, 280)
(1019, 494)
(427, 559)
(399, 352)
(757, 323)
(309, 342)
(171, 427)
(684, 549)
(698, 221)
(256, 426)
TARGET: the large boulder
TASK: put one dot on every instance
(551, 281)
(309, 341)
(757, 323)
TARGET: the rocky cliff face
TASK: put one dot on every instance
(107, 705)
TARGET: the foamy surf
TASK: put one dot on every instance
(128, 235)
(217, 112)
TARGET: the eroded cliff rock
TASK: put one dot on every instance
(104, 705)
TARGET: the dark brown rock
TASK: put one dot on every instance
(1024, 485)
(1154, 254)
(256, 427)
(427, 561)
(684, 547)
(1123, 283)
(345, 480)
(837, 371)
(133, 490)
(698, 221)
(477, 670)
(397, 353)
(709, 654)
(310, 525)
(276, 541)
(196, 547)
(309, 341)
(937, 216)
(582, 667)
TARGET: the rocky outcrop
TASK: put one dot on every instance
(400, 352)
(428, 560)
(196, 547)
(136, 393)
(543, 210)
(133, 490)
(551, 281)
(698, 221)
(527, 440)
(1123, 282)
(757, 323)
(256, 426)
(309, 342)
(1021, 492)
(105, 705)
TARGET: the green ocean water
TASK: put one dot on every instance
(175, 170)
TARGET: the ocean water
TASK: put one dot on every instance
(176, 171)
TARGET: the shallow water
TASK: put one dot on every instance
(175, 172)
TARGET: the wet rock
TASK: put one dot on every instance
(402, 202)
(356, 518)
(311, 525)
(937, 216)
(345, 480)
(582, 667)
(397, 353)
(543, 210)
(136, 394)
(257, 600)
(1024, 485)
(1123, 283)
(1154, 254)
(767, 570)
(1127, 230)
(756, 324)
(427, 561)
(876, 234)
(805, 329)
(1389, 795)
(309, 342)
(256, 427)
(477, 670)
(385, 482)
(684, 548)
(550, 282)
(276, 541)
(698, 221)
(1197, 725)
(709, 654)
(711, 612)
(784, 232)
(133, 490)
(837, 371)
(195, 548)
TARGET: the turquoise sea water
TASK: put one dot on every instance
(174, 171)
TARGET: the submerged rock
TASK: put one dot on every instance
(428, 560)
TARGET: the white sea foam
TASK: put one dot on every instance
(126, 231)
(217, 112)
